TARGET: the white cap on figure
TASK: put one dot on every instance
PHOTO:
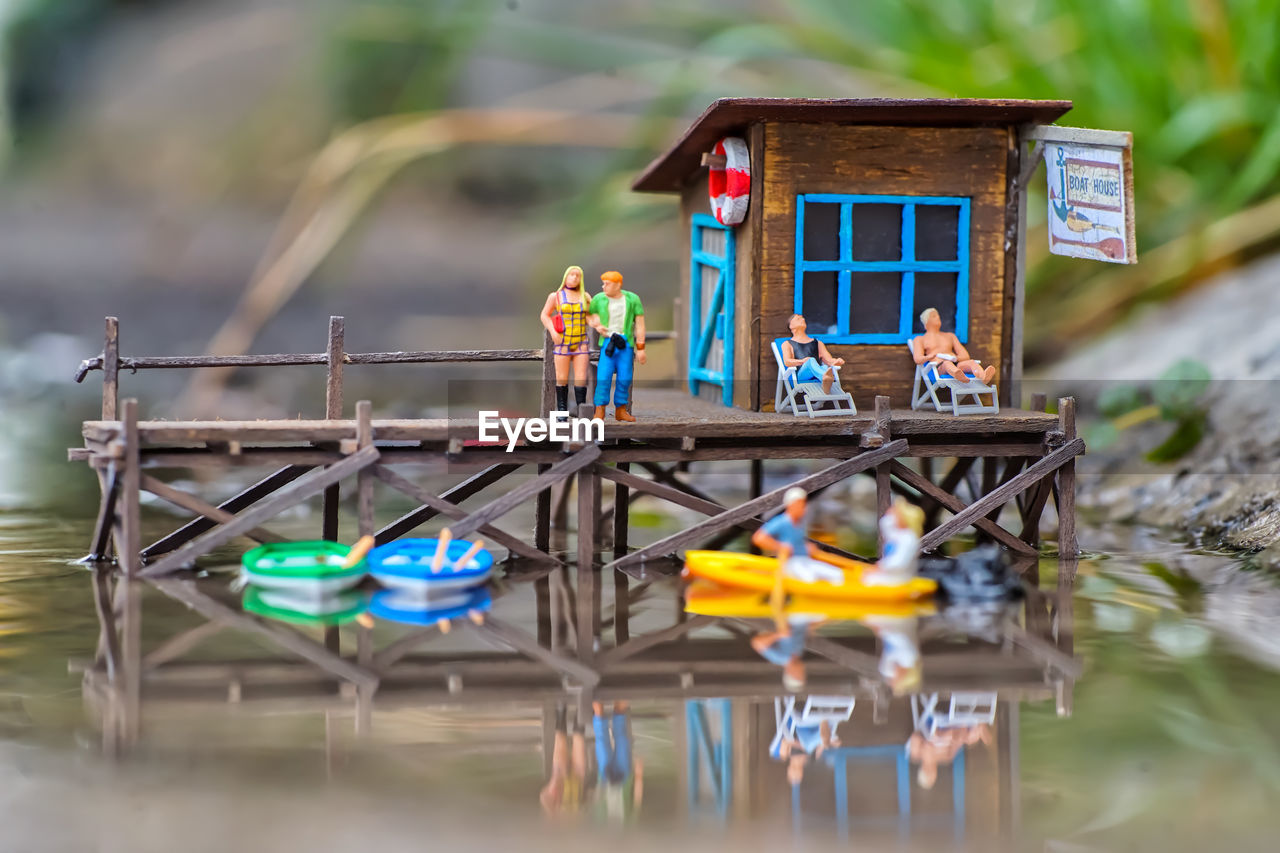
(793, 494)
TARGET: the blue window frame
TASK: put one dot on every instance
(867, 265)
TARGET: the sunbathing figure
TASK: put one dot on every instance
(945, 353)
(808, 355)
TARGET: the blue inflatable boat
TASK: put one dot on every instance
(405, 566)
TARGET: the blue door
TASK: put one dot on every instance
(711, 302)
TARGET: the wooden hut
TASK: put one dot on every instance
(861, 213)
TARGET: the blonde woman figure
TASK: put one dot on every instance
(564, 316)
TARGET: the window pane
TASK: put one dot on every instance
(935, 290)
(875, 301)
(936, 226)
(820, 289)
(821, 232)
(877, 232)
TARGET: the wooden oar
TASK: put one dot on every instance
(358, 550)
(462, 562)
(442, 550)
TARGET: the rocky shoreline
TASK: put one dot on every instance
(1225, 493)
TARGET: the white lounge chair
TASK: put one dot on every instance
(816, 710)
(964, 710)
(792, 394)
(929, 382)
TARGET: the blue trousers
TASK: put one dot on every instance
(621, 363)
(811, 371)
(613, 748)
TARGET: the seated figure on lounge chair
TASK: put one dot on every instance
(945, 353)
(808, 355)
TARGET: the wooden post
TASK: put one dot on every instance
(548, 399)
(757, 478)
(1039, 401)
(588, 491)
(1067, 545)
(111, 370)
(883, 493)
(129, 550)
(621, 511)
(542, 516)
(333, 410)
(364, 480)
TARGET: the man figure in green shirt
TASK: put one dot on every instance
(619, 318)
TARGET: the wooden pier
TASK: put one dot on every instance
(1018, 458)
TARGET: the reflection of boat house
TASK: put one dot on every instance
(861, 214)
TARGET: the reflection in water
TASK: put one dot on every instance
(631, 694)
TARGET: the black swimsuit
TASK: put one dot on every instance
(802, 351)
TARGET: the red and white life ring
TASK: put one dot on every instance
(730, 185)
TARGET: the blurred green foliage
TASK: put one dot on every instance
(1177, 396)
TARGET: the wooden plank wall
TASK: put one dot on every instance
(810, 158)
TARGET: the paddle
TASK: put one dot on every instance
(358, 550)
(442, 549)
(471, 552)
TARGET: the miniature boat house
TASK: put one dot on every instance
(859, 214)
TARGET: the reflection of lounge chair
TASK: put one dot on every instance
(929, 382)
(791, 394)
(964, 711)
(816, 710)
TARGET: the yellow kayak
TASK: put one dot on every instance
(755, 572)
(704, 598)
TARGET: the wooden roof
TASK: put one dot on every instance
(731, 116)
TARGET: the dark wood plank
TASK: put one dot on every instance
(526, 645)
(955, 505)
(501, 506)
(979, 508)
(1066, 494)
(111, 370)
(645, 642)
(129, 546)
(452, 510)
(191, 503)
(304, 487)
(456, 495)
(106, 515)
(586, 611)
(276, 633)
(622, 511)
(234, 504)
(834, 473)
(364, 480)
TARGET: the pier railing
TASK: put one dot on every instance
(334, 358)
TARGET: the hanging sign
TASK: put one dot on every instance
(1090, 178)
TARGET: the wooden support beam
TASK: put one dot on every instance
(276, 633)
(234, 504)
(309, 484)
(955, 505)
(333, 411)
(588, 495)
(1066, 494)
(832, 474)
(178, 645)
(104, 604)
(452, 510)
(129, 546)
(861, 663)
(392, 652)
(98, 549)
(364, 480)
(501, 506)
(542, 516)
(1011, 468)
(974, 513)
(645, 642)
(621, 510)
(455, 495)
(667, 475)
(111, 370)
(1031, 513)
(189, 502)
(526, 645)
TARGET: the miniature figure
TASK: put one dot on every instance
(618, 316)
(564, 316)
(808, 355)
(900, 530)
(944, 352)
(784, 647)
(619, 772)
(786, 535)
(565, 791)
